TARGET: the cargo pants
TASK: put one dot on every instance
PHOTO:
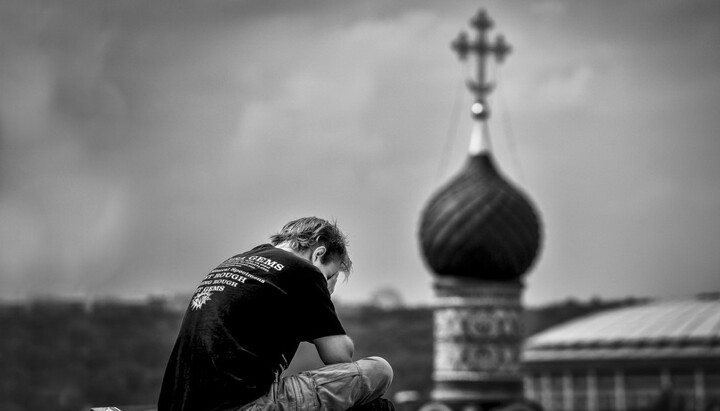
(334, 387)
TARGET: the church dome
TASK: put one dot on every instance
(479, 225)
(630, 358)
(660, 330)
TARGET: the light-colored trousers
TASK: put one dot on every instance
(334, 387)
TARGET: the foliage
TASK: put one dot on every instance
(66, 357)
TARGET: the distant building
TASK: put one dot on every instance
(626, 358)
(479, 234)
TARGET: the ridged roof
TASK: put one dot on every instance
(663, 329)
(479, 225)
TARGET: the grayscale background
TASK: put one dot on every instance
(142, 142)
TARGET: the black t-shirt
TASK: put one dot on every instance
(242, 328)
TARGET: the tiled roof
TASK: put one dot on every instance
(679, 328)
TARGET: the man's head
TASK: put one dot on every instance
(319, 240)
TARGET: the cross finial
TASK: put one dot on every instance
(481, 47)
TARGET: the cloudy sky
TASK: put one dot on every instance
(141, 143)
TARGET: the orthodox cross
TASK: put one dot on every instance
(481, 47)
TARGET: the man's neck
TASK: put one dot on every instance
(285, 246)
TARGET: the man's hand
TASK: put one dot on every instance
(332, 281)
(335, 349)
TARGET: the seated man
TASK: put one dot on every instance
(246, 320)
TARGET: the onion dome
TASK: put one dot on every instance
(479, 225)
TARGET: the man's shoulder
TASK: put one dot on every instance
(268, 250)
(281, 261)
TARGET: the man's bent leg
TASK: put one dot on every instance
(379, 374)
(337, 387)
(341, 386)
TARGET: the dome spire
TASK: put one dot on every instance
(480, 87)
(479, 225)
(479, 235)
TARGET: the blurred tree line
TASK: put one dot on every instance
(67, 356)
(70, 356)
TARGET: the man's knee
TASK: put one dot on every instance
(378, 371)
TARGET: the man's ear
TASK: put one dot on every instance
(318, 253)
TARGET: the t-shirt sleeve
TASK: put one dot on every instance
(317, 310)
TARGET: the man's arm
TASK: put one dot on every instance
(335, 349)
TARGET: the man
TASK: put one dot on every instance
(246, 320)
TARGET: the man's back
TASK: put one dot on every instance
(242, 328)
